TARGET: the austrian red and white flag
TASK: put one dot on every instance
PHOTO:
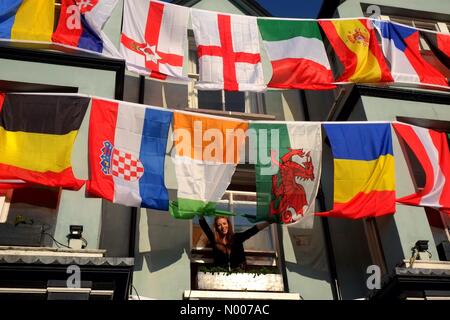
(228, 51)
(432, 151)
(154, 38)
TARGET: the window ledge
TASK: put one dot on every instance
(427, 264)
(50, 251)
(233, 114)
(240, 281)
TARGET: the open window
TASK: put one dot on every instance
(28, 216)
(261, 250)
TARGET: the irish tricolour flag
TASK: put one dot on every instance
(205, 154)
(297, 54)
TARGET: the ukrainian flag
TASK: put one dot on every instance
(364, 170)
(27, 19)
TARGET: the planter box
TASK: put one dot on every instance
(240, 281)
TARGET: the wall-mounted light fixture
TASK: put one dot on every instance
(75, 237)
(75, 232)
(422, 245)
(420, 252)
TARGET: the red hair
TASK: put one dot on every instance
(228, 236)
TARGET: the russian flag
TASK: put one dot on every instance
(80, 25)
(127, 148)
(401, 48)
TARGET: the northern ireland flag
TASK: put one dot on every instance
(127, 147)
(154, 38)
(432, 151)
(80, 25)
(228, 51)
(401, 48)
(297, 54)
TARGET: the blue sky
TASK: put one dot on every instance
(292, 8)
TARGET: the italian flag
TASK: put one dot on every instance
(297, 54)
(207, 150)
(288, 169)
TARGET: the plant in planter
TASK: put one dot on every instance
(251, 279)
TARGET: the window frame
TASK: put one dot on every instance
(275, 254)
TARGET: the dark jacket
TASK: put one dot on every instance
(236, 256)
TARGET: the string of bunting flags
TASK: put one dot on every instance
(154, 40)
(129, 146)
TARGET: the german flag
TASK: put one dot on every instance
(37, 134)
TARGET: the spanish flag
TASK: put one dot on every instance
(356, 46)
(364, 170)
(37, 134)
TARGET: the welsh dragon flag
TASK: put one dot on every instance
(297, 54)
(288, 169)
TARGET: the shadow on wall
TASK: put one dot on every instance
(390, 242)
(156, 93)
(168, 239)
(308, 256)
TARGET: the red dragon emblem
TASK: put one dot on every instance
(289, 196)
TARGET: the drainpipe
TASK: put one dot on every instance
(334, 282)
(134, 210)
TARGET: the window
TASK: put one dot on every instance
(419, 24)
(424, 24)
(28, 216)
(240, 202)
(261, 250)
(220, 100)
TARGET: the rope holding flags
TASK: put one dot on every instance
(154, 40)
(128, 151)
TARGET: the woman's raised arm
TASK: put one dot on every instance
(206, 229)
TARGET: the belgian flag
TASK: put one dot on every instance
(37, 133)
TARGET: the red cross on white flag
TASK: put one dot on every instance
(228, 51)
(154, 38)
